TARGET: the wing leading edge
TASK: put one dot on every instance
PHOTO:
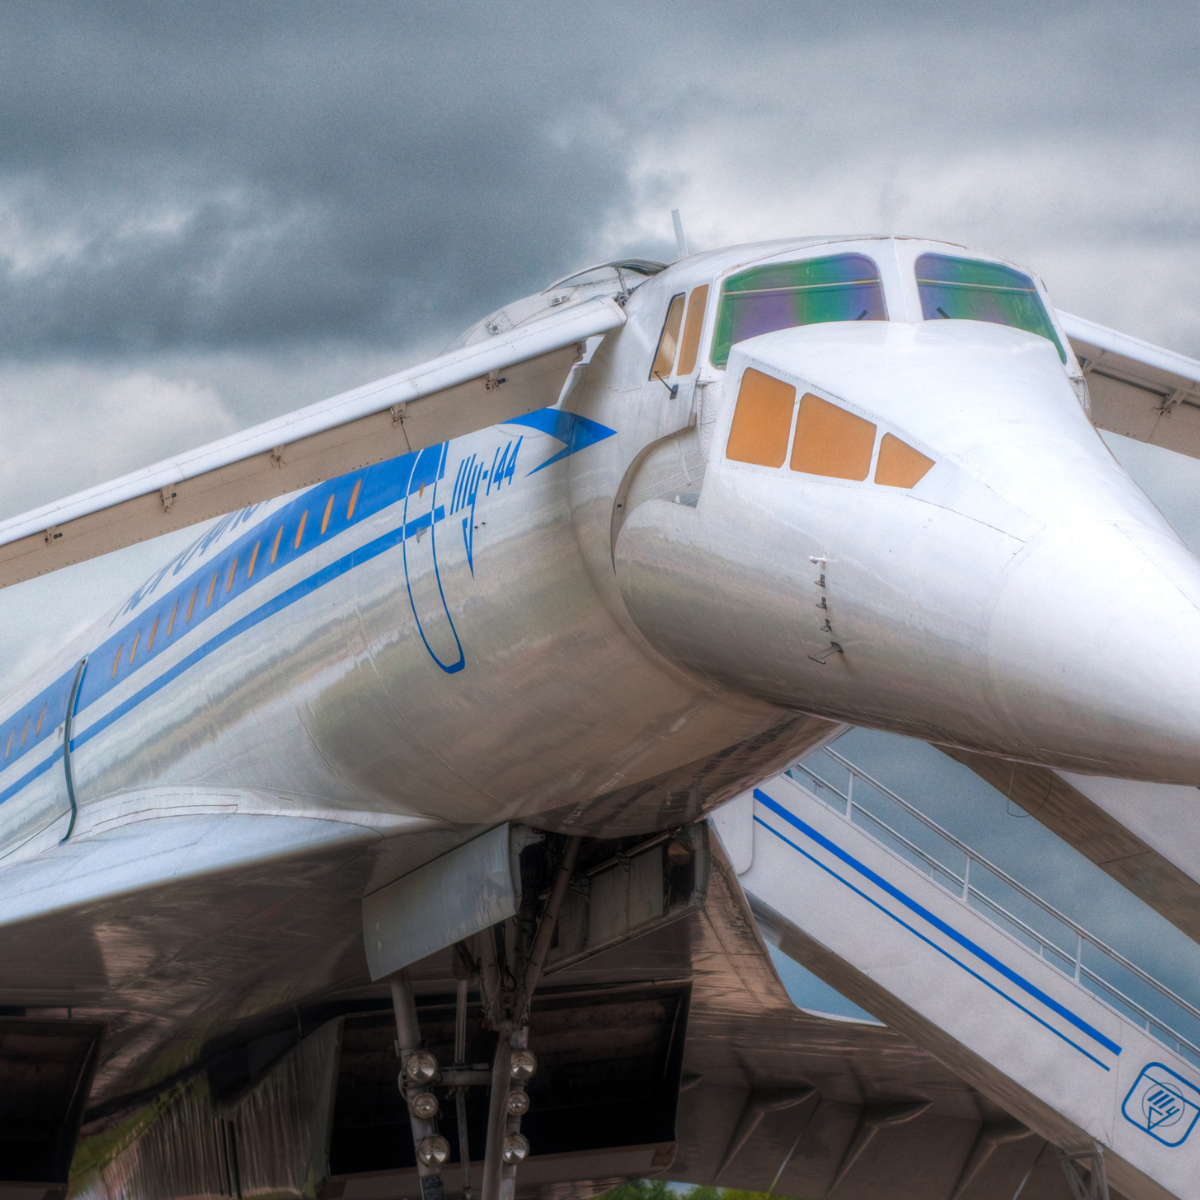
(457, 393)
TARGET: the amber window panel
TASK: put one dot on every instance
(831, 441)
(899, 464)
(690, 348)
(762, 420)
(668, 340)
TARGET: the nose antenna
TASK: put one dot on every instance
(680, 240)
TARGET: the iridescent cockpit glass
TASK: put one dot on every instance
(842, 287)
(966, 289)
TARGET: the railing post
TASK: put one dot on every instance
(1078, 956)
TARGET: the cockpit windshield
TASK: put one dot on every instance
(842, 287)
(966, 289)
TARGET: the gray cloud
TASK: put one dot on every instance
(238, 181)
(220, 175)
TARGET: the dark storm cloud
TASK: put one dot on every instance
(242, 177)
(218, 175)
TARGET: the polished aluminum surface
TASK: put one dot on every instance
(471, 888)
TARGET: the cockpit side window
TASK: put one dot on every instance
(967, 289)
(691, 330)
(668, 340)
(842, 287)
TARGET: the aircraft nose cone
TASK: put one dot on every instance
(1093, 652)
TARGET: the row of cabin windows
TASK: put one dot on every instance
(24, 734)
(180, 613)
(846, 287)
(827, 441)
(223, 579)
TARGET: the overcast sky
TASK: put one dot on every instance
(215, 212)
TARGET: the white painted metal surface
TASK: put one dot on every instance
(1164, 816)
(471, 888)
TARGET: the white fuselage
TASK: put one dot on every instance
(619, 638)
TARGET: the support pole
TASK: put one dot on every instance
(512, 1123)
(464, 1145)
(496, 1129)
(408, 1028)
(489, 973)
(460, 1093)
(499, 1179)
(1095, 1186)
(408, 1043)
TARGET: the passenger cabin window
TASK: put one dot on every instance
(966, 289)
(842, 287)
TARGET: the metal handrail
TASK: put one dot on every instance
(1154, 1024)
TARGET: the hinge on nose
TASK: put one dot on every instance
(823, 656)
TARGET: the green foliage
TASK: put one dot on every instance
(641, 1189)
(658, 1189)
(739, 1194)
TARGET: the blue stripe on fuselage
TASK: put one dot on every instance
(337, 504)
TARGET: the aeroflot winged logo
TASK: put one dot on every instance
(1163, 1104)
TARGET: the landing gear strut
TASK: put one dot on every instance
(507, 1011)
(509, 974)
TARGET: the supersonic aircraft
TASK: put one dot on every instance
(440, 698)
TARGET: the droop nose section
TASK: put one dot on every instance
(1021, 595)
(1093, 652)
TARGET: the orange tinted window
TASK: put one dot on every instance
(831, 441)
(899, 464)
(762, 420)
(664, 360)
(691, 330)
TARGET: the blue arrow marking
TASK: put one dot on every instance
(577, 432)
